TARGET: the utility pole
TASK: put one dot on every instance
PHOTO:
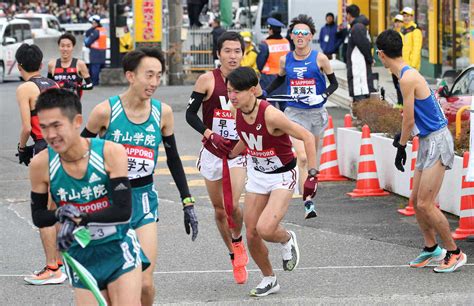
(114, 42)
(175, 57)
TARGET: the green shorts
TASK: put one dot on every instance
(107, 262)
(144, 206)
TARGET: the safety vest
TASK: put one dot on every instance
(276, 49)
(101, 42)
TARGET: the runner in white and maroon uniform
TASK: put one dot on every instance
(271, 176)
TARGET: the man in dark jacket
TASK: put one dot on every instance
(359, 57)
(96, 40)
(327, 37)
(217, 31)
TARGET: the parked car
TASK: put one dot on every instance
(460, 95)
(13, 32)
(43, 25)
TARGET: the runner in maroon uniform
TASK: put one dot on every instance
(218, 128)
(265, 132)
(67, 71)
(29, 63)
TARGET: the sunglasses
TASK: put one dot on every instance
(302, 32)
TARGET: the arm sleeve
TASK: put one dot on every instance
(280, 79)
(262, 56)
(121, 208)
(50, 76)
(333, 84)
(42, 217)
(175, 165)
(359, 37)
(88, 134)
(192, 117)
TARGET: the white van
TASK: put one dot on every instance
(13, 32)
(43, 25)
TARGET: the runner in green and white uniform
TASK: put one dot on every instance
(87, 179)
(140, 123)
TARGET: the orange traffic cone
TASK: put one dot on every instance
(367, 180)
(409, 210)
(347, 121)
(466, 214)
(328, 166)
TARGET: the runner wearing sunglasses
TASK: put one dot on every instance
(302, 69)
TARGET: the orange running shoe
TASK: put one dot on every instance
(240, 254)
(451, 262)
(47, 276)
(240, 274)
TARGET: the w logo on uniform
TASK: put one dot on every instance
(94, 178)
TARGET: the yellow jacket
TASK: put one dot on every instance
(412, 42)
(250, 59)
(126, 43)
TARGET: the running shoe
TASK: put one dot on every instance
(240, 254)
(310, 211)
(267, 286)
(47, 276)
(426, 257)
(290, 253)
(451, 263)
(240, 262)
(240, 273)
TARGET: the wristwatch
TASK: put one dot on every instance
(312, 172)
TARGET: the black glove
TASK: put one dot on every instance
(66, 235)
(190, 221)
(401, 157)
(67, 212)
(24, 154)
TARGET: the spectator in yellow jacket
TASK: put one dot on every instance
(250, 55)
(397, 26)
(412, 39)
(125, 43)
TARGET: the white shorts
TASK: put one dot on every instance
(265, 183)
(210, 165)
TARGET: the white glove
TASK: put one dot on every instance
(312, 100)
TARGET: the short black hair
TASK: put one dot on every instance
(303, 19)
(242, 78)
(29, 57)
(354, 10)
(67, 101)
(330, 14)
(390, 43)
(230, 35)
(133, 58)
(69, 36)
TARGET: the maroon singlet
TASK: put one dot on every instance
(216, 113)
(43, 85)
(268, 153)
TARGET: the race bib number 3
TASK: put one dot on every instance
(265, 161)
(141, 161)
(224, 124)
(303, 87)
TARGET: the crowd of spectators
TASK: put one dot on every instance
(65, 13)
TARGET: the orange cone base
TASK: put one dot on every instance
(407, 211)
(331, 178)
(461, 234)
(358, 193)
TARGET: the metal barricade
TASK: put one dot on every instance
(197, 51)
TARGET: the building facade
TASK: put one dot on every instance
(447, 27)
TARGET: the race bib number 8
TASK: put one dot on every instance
(265, 161)
(224, 124)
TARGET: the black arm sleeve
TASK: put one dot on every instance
(192, 117)
(42, 217)
(333, 84)
(121, 208)
(88, 134)
(50, 76)
(275, 84)
(176, 167)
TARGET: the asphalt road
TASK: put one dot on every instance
(355, 252)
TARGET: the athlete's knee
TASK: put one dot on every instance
(252, 235)
(265, 230)
(422, 205)
(219, 213)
